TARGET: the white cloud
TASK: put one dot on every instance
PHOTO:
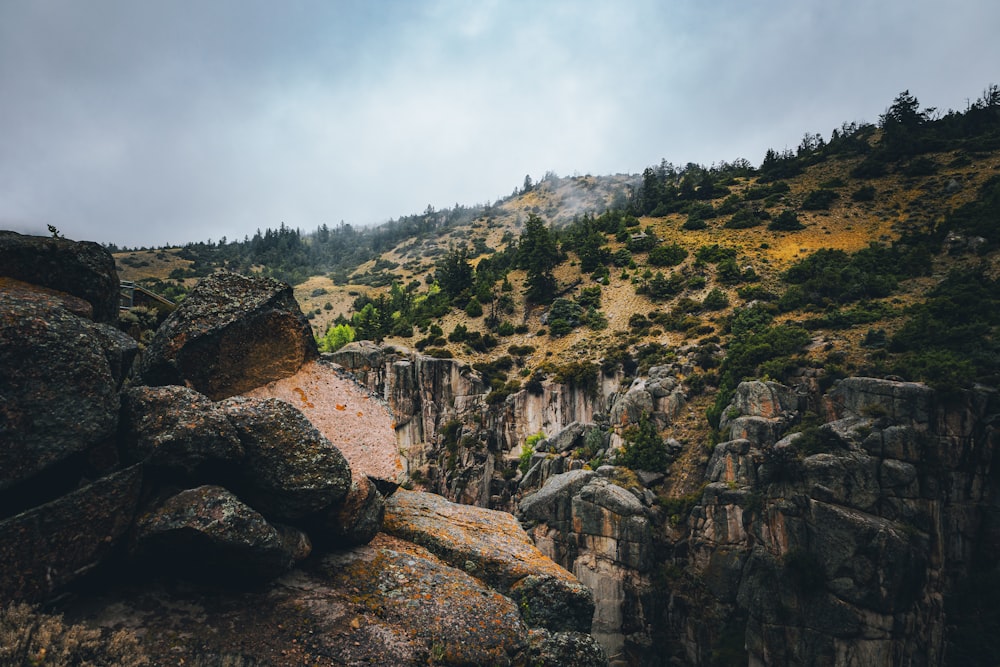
(147, 123)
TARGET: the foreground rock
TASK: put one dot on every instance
(60, 399)
(354, 421)
(208, 533)
(289, 471)
(493, 547)
(232, 333)
(178, 431)
(389, 602)
(47, 547)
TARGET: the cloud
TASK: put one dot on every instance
(143, 123)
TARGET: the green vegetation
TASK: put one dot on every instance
(644, 448)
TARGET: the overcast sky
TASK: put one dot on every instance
(155, 122)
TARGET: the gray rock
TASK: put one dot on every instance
(555, 649)
(83, 269)
(59, 393)
(177, 430)
(552, 502)
(499, 551)
(289, 471)
(229, 335)
(357, 518)
(50, 546)
(208, 533)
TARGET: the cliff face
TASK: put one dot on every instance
(451, 441)
(844, 540)
(840, 538)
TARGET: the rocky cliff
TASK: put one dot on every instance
(223, 484)
(845, 534)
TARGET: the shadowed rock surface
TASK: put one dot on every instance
(47, 547)
(177, 431)
(83, 269)
(208, 533)
(59, 393)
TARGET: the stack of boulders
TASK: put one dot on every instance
(193, 460)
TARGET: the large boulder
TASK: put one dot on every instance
(493, 547)
(47, 547)
(232, 333)
(207, 532)
(290, 471)
(59, 392)
(177, 431)
(83, 269)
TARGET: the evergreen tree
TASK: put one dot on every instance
(539, 256)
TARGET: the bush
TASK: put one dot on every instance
(473, 308)
(864, 193)
(337, 337)
(644, 448)
(746, 218)
(787, 221)
(715, 300)
(819, 200)
(667, 255)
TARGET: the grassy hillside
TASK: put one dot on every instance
(875, 252)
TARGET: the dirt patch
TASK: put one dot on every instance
(359, 425)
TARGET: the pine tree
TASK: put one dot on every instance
(539, 255)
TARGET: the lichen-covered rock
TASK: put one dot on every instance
(357, 519)
(446, 616)
(555, 649)
(490, 545)
(59, 394)
(178, 431)
(389, 602)
(905, 403)
(83, 269)
(47, 547)
(207, 532)
(230, 334)
(290, 471)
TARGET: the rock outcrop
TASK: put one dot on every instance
(603, 533)
(83, 269)
(126, 487)
(232, 333)
(840, 543)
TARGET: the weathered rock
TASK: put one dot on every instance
(59, 393)
(83, 269)
(177, 430)
(554, 501)
(490, 545)
(208, 533)
(357, 519)
(555, 649)
(437, 609)
(906, 403)
(50, 546)
(389, 603)
(289, 471)
(230, 334)
(759, 412)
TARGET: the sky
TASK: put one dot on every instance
(168, 121)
